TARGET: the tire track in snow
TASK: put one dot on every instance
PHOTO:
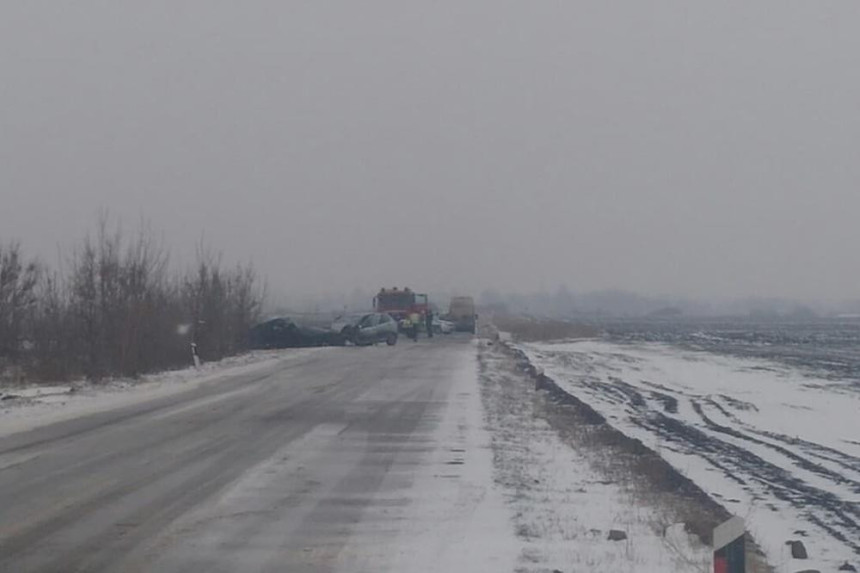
(654, 408)
(840, 519)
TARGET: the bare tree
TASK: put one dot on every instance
(115, 308)
(18, 281)
(223, 304)
(53, 353)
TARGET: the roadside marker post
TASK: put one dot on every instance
(730, 547)
(195, 356)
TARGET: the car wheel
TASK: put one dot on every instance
(391, 339)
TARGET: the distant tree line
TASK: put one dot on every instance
(114, 307)
(562, 303)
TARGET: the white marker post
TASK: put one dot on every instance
(729, 547)
(195, 356)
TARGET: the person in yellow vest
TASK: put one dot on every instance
(408, 327)
(414, 320)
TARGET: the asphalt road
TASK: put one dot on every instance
(314, 465)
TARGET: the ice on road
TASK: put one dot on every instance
(343, 459)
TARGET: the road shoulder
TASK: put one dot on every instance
(565, 495)
(36, 406)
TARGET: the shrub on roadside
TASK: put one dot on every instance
(115, 308)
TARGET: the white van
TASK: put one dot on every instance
(462, 313)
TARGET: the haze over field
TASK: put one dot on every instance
(697, 149)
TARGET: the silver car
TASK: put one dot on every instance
(367, 329)
(442, 326)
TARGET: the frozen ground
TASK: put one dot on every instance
(772, 444)
(563, 503)
(34, 406)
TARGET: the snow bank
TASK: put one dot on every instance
(38, 406)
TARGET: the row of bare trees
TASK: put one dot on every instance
(115, 307)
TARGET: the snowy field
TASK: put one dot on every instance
(770, 442)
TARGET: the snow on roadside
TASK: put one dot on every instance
(37, 406)
(564, 506)
(775, 447)
(457, 518)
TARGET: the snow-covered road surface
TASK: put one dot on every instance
(343, 459)
(776, 447)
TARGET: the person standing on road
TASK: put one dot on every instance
(428, 322)
(413, 326)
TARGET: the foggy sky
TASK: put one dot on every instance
(690, 148)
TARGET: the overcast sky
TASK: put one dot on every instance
(695, 148)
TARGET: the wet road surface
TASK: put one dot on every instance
(341, 460)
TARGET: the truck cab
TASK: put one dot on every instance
(402, 303)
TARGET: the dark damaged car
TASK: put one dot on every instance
(284, 332)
